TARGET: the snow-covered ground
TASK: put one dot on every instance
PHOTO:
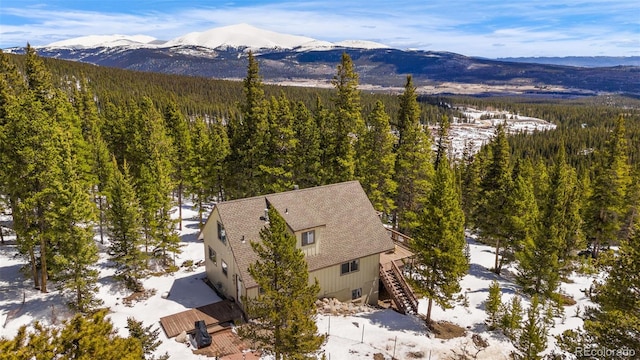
(357, 336)
(478, 126)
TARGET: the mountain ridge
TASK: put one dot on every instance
(292, 59)
(240, 36)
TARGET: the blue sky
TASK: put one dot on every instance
(485, 28)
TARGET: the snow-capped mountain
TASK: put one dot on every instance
(95, 41)
(361, 44)
(240, 36)
(292, 59)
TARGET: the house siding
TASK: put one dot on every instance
(224, 283)
(333, 284)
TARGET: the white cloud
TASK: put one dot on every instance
(532, 28)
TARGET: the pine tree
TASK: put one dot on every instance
(178, 130)
(413, 167)
(118, 130)
(607, 206)
(512, 318)
(280, 144)
(345, 123)
(123, 219)
(219, 152)
(11, 86)
(152, 150)
(443, 141)
(99, 161)
(39, 344)
(94, 337)
(533, 337)
(283, 313)
(439, 242)
(470, 182)
(540, 182)
(542, 255)
(615, 322)
(307, 164)
(207, 171)
(493, 305)
(72, 264)
(493, 211)
(199, 173)
(38, 77)
(247, 137)
(34, 136)
(81, 337)
(148, 338)
(633, 211)
(524, 216)
(376, 160)
(322, 119)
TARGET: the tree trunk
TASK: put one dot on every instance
(180, 206)
(43, 263)
(101, 219)
(34, 269)
(146, 247)
(79, 299)
(200, 226)
(496, 268)
(1, 235)
(220, 190)
(394, 218)
(277, 343)
(430, 305)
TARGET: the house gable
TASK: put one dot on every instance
(336, 223)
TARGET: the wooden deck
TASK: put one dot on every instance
(228, 346)
(392, 278)
(212, 314)
(399, 255)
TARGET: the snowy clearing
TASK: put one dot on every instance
(478, 126)
(360, 336)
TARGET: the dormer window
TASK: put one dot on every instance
(308, 237)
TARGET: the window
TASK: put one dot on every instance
(212, 255)
(225, 268)
(221, 233)
(308, 237)
(349, 267)
(356, 293)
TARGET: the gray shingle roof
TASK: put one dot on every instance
(352, 228)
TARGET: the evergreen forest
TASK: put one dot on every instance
(89, 150)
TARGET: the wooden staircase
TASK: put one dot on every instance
(397, 287)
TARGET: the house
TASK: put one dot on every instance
(335, 226)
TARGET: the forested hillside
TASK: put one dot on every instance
(84, 145)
